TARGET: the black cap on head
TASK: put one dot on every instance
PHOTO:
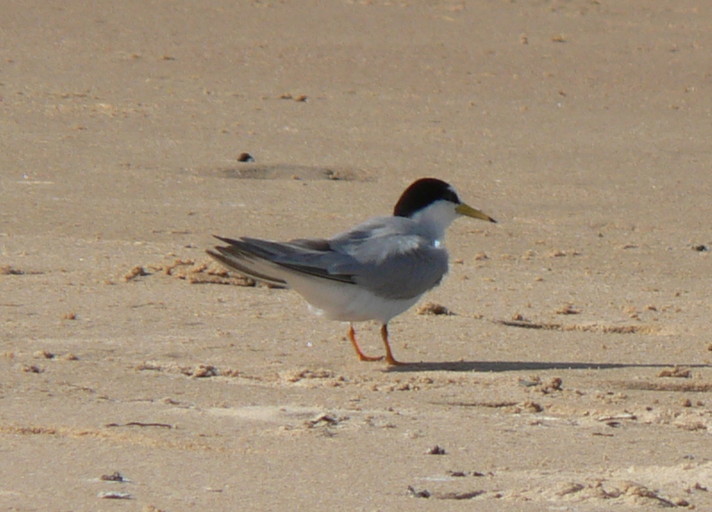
(422, 193)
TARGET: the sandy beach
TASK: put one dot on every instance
(574, 371)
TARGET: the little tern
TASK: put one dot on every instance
(374, 271)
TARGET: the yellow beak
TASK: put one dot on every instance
(469, 211)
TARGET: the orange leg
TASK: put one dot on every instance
(359, 352)
(389, 355)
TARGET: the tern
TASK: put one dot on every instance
(374, 271)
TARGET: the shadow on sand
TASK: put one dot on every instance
(515, 366)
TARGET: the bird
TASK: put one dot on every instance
(372, 272)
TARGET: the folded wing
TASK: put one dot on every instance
(383, 255)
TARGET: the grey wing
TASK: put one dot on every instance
(391, 258)
(403, 275)
(266, 261)
(386, 255)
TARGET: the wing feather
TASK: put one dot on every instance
(386, 255)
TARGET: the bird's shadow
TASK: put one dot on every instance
(517, 366)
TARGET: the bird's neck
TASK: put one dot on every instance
(435, 219)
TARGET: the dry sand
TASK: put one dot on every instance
(575, 373)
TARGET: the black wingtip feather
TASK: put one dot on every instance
(227, 257)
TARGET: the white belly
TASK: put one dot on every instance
(348, 302)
